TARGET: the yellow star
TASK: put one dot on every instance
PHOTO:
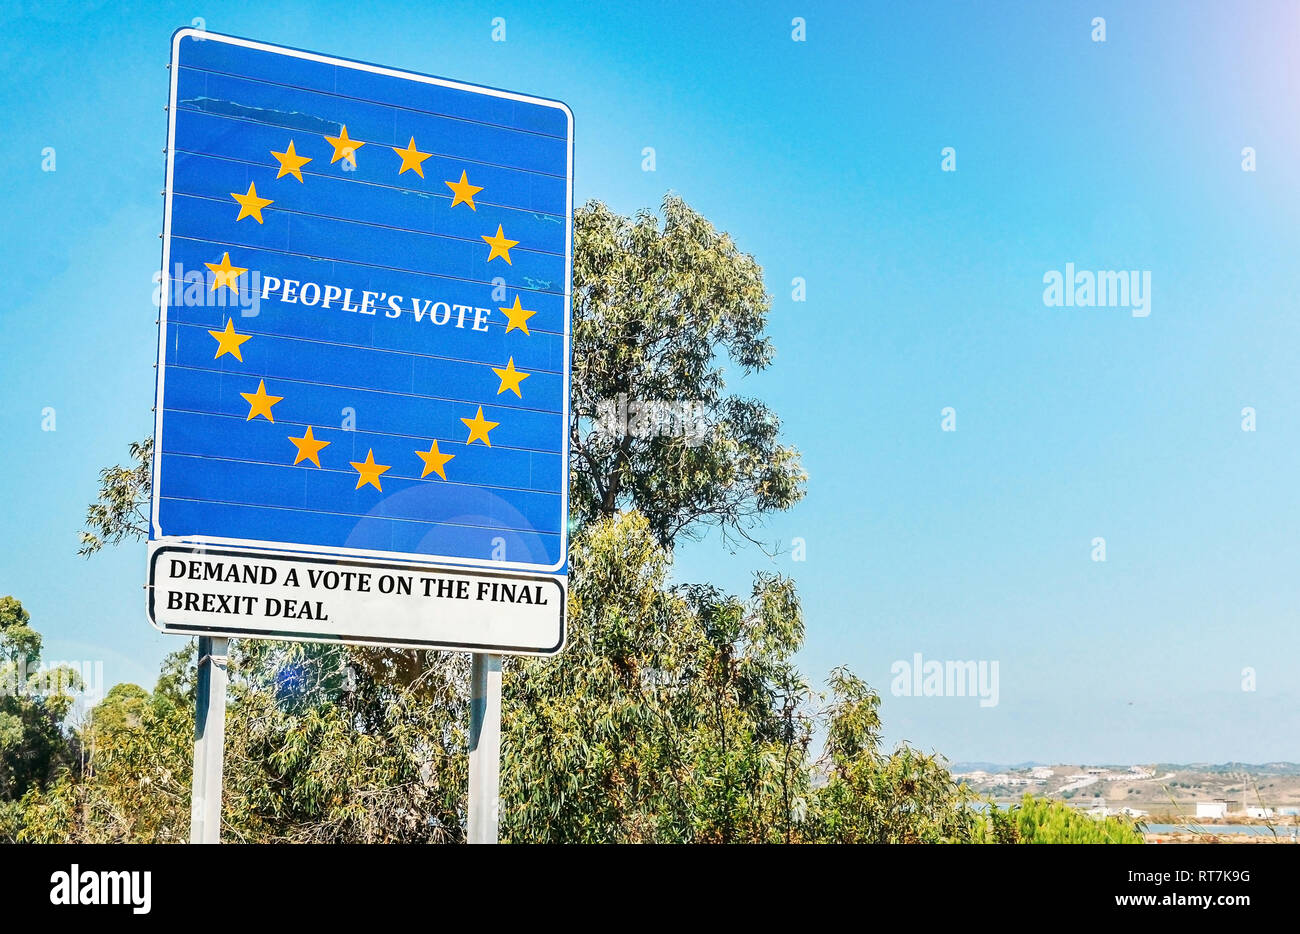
(500, 246)
(259, 403)
(518, 316)
(290, 162)
(412, 158)
(434, 460)
(464, 192)
(229, 342)
(225, 274)
(309, 448)
(344, 148)
(479, 427)
(510, 378)
(250, 205)
(369, 471)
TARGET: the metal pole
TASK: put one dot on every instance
(484, 748)
(209, 741)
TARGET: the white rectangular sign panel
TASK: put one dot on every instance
(222, 592)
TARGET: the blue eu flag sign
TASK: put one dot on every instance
(364, 338)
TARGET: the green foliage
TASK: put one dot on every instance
(34, 747)
(134, 786)
(675, 714)
(1038, 820)
(303, 763)
(121, 512)
(20, 644)
(654, 310)
(344, 745)
(870, 797)
(121, 709)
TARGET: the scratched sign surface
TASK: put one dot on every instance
(364, 336)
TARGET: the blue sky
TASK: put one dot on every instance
(924, 290)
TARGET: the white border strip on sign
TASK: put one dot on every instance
(165, 303)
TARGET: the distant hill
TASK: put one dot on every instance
(1266, 768)
(988, 766)
(1163, 788)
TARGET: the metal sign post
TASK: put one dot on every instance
(209, 741)
(484, 748)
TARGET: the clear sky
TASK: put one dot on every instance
(924, 290)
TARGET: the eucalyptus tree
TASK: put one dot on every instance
(659, 310)
(676, 713)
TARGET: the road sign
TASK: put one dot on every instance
(363, 363)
